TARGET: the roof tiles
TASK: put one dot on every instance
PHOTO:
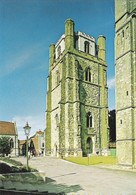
(7, 128)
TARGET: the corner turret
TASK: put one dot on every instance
(52, 54)
(101, 47)
(69, 34)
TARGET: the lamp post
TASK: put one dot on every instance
(27, 129)
(88, 154)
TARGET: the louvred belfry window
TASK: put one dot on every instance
(88, 74)
(86, 47)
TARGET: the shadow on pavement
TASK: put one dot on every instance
(59, 188)
(25, 187)
(65, 175)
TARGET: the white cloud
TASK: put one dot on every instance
(35, 122)
(111, 83)
(21, 58)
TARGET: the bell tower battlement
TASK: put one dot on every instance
(79, 41)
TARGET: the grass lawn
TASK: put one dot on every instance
(11, 161)
(94, 160)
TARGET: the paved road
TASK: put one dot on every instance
(85, 180)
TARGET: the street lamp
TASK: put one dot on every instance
(88, 148)
(27, 129)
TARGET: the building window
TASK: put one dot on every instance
(127, 93)
(57, 77)
(11, 143)
(105, 77)
(42, 144)
(118, 38)
(120, 121)
(86, 47)
(59, 51)
(88, 75)
(89, 119)
(123, 33)
(56, 121)
(127, 32)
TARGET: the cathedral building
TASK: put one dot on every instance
(125, 65)
(77, 106)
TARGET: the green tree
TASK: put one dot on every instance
(5, 147)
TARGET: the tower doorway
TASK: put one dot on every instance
(89, 145)
(55, 150)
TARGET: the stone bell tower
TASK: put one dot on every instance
(77, 108)
(125, 65)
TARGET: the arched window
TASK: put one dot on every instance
(11, 143)
(59, 51)
(88, 75)
(89, 119)
(86, 47)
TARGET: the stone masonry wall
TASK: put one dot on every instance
(71, 97)
(125, 49)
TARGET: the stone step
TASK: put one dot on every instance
(25, 187)
(1, 184)
(16, 192)
(51, 188)
(8, 185)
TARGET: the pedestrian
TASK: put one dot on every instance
(29, 154)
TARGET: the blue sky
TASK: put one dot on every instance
(27, 28)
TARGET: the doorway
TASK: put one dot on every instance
(55, 150)
(89, 145)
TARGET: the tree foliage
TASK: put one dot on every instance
(112, 125)
(5, 147)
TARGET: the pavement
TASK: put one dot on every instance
(64, 176)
